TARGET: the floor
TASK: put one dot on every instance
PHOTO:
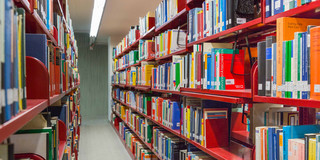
(99, 141)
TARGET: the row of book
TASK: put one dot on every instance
(205, 122)
(12, 52)
(146, 23)
(209, 66)
(218, 15)
(146, 49)
(165, 144)
(134, 144)
(43, 135)
(288, 63)
(274, 7)
(287, 142)
(129, 39)
(169, 42)
(167, 9)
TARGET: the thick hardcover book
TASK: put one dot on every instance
(261, 68)
(269, 41)
(36, 46)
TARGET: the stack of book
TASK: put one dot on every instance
(287, 67)
(167, 9)
(218, 15)
(146, 23)
(169, 42)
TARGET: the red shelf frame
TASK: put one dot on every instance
(25, 4)
(245, 93)
(184, 51)
(229, 33)
(309, 10)
(123, 142)
(149, 34)
(165, 91)
(235, 100)
(176, 21)
(134, 45)
(34, 107)
(143, 88)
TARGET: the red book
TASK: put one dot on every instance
(228, 80)
(181, 5)
(151, 22)
(150, 52)
(160, 100)
(216, 127)
(199, 25)
(149, 108)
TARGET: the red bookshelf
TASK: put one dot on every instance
(133, 46)
(25, 4)
(176, 21)
(245, 93)
(168, 56)
(143, 88)
(149, 34)
(165, 91)
(235, 100)
(34, 107)
(123, 142)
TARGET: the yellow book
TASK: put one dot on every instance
(68, 41)
(312, 148)
(188, 121)
(161, 45)
(202, 133)
(192, 70)
(134, 78)
(20, 91)
(148, 74)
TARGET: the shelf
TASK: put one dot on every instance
(165, 91)
(194, 3)
(55, 98)
(245, 93)
(234, 151)
(171, 54)
(34, 24)
(133, 46)
(174, 22)
(123, 142)
(309, 10)
(34, 107)
(235, 100)
(143, 88)
(242, 137)
(25, 4)
(243, 29)
(134, 131)
(149, 34)
(176, 132)
(288, 101)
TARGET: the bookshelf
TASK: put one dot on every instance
(44, 82)
(241, 146)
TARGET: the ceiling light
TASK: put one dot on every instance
(96, 16)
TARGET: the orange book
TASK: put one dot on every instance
(169, 42)
(286, 26)
(314, 63)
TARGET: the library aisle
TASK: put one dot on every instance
(100, 141)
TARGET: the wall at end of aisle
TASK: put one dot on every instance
(93, 69)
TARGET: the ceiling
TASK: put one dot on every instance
(117, 18)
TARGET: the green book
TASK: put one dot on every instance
(49, 140)
(177, 84)
(288, 94)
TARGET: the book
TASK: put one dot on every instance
(285, 32)
(269, 41)
(262, 68)
(314, 75)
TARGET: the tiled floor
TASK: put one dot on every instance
(99, 141)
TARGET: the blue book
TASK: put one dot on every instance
(191, 28)
(209, 68)
(204, 19)
(271, 132)
(278, 6)
(268, 8)
(15, 69)
(291, 132)
(305, 61)
(7, 63)
(224, 17)
(165, 11)
(36, 46)
(175, 115)
(275, 145)
(213, 69)
(48, 15)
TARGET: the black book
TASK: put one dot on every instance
(269, 41)
(261, 68)
(230, 14)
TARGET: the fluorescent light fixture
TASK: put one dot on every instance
(96, 16)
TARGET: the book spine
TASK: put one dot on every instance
(269, 41)
(261, 68)
(314, 63)
(274, 70)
